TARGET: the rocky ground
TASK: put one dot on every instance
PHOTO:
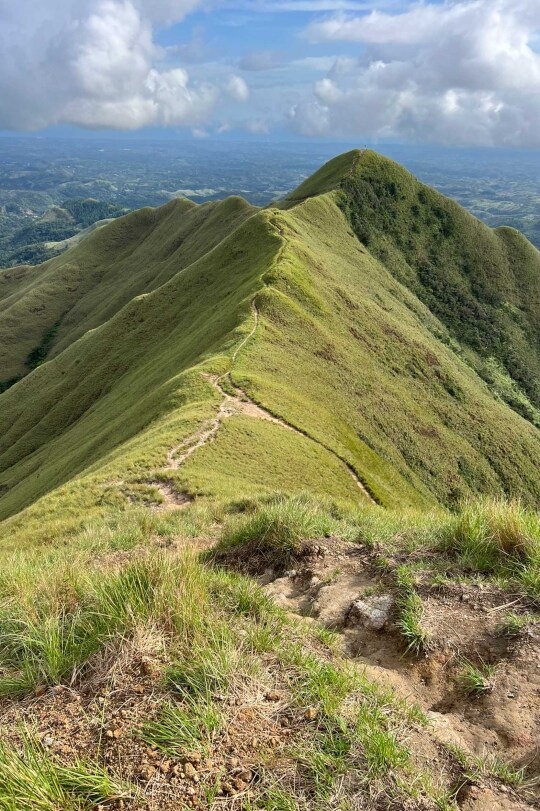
(483, 742)
(341, 586)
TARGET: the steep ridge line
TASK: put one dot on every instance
(230, 405)
(241, 403)
(363, 486)
(280, 421)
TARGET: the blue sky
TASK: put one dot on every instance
(452, 72)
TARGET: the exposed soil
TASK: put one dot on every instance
(464, 624)
(335, 584)
(101, 715)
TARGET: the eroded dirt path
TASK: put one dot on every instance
(338, 585)
(241, 403)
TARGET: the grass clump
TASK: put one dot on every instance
(513, 624)
(190, 727)
(278, 528)
(477, 679)
(31, 778)
(488, 765)
(410, 611)
(495, 533)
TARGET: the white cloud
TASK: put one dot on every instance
(460, 72)
(238, 88)
(95, 63)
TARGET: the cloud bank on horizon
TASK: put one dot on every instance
(459, 72)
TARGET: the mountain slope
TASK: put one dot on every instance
(366, 364)
(483, 284)
(43, 310)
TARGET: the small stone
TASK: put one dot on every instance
(47, 740)
(227, 788)
(373, 612)
(239, 784)
(254, 743)
(190, 771)
(246, 775)
(311, 714)
(147, 772)
(193, 757)
(117, 733)
(148, 668)
(232, 763)
(272, 695)
(109, 733)
(165, 767)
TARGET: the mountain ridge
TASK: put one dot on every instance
(333, 311)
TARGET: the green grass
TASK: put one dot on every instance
(410, 612)
(494, 534)
(374, 373)
(182, 729)
(490, 765)
(474, 279)
(513, 624)
(221, 636)
(279, 528)
(477, 679)
(31, 778)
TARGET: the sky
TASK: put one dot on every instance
(449, 72)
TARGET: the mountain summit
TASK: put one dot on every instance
(365, 338)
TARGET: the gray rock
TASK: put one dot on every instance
(372, 612)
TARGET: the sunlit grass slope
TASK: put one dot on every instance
(375, 370)
(44, 309)
(349, 355)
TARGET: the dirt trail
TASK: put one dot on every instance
(230, 405)
(241, 403)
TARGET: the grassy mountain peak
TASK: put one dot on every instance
(396, 335)
(269, 531)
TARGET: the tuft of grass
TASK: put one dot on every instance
(277, 530)
(477, 679)
(513, 624)
(495, 533)
(490, 765)
(32, 779)
(410, 611)
(183, 728)
(206, 674)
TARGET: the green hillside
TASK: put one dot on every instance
(416, 379)
(269, 508)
